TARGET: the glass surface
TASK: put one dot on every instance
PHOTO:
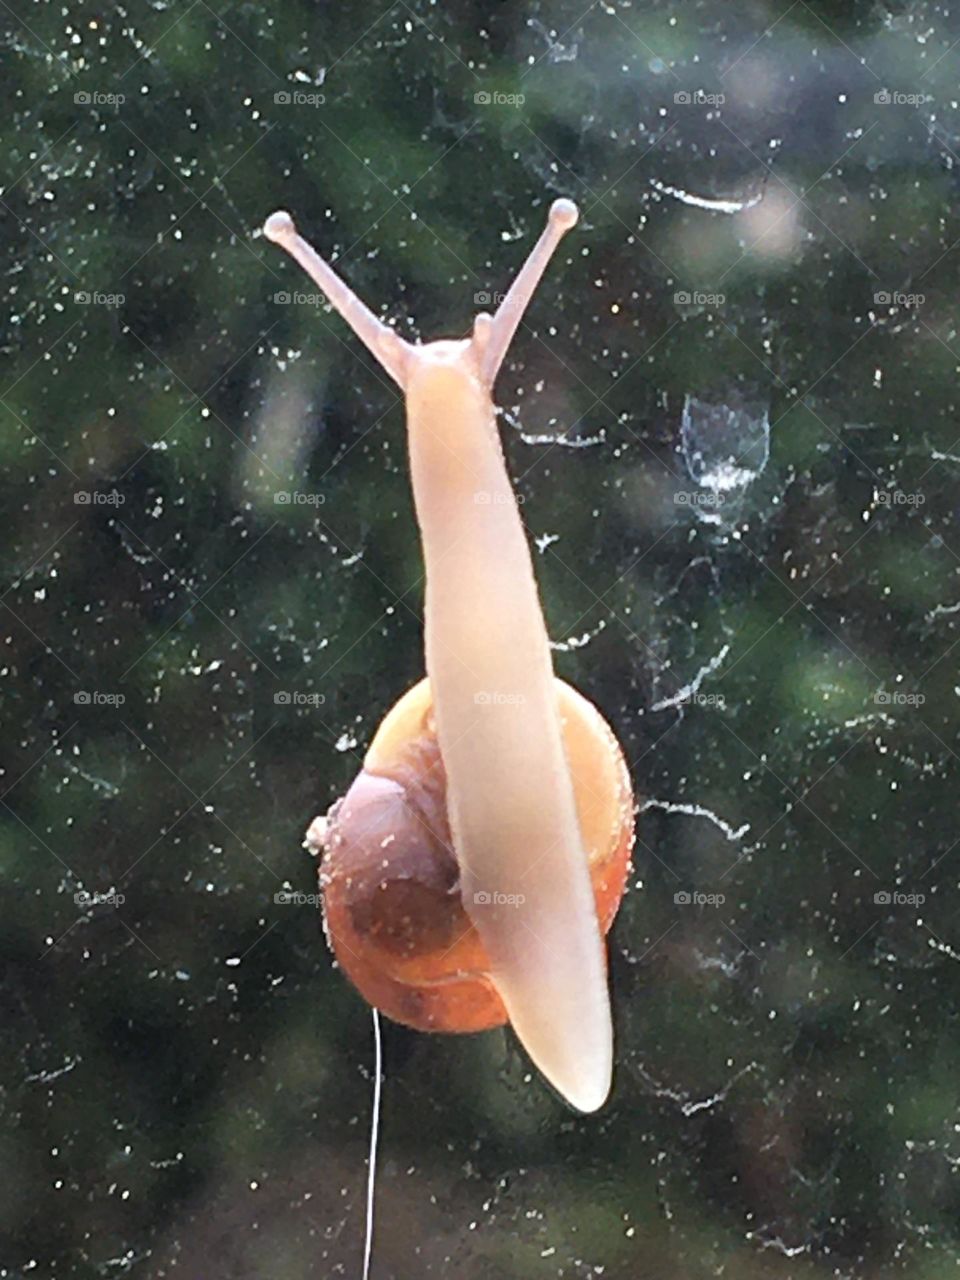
(732, 416)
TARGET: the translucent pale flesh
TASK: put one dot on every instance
(510, 796)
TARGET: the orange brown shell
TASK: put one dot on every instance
(390, 880)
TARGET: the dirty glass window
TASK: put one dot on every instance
(732, 419)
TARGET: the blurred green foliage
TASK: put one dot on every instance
(186, 1079)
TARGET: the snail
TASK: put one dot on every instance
(471, 871)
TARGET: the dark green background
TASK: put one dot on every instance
(186, 1080)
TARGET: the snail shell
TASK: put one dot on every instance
(393, 914)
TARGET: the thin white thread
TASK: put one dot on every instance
(374, 1136)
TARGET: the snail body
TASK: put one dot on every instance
(460, 871)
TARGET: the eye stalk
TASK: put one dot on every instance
(563, 217)
(381, 341)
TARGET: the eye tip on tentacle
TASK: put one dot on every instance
(564, 214)
(279, 226)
